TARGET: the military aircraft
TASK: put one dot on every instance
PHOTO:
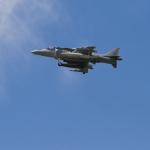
(80, 59)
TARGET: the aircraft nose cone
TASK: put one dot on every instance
(43, 52)
(35, 52)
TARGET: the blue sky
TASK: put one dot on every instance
(44, 107)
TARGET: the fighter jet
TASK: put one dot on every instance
(80, 59)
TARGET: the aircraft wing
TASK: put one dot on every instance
(86, 50)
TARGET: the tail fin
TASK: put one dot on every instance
(114, 55)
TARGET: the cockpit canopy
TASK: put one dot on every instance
(51, 48)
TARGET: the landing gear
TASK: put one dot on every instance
(59, 63)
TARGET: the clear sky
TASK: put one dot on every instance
(43, 107)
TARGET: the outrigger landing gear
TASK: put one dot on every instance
(114, 65)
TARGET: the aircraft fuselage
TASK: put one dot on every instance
(80, 58)
(71, 56)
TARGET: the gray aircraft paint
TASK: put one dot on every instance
(78, 57)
